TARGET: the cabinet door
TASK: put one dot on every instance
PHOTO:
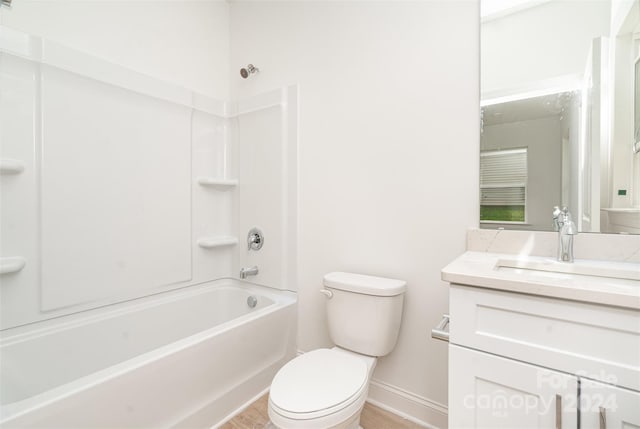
(488, 391)
(607, 407)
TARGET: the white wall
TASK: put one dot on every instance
(388, 156)
(543, 140)
(181, 41)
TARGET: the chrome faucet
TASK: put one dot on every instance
(246, 272)
(566, 230)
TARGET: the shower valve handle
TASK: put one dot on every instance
(255, 239)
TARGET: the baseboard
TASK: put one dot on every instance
(408, 405)
(417, 409)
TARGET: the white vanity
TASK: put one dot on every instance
(536, 343)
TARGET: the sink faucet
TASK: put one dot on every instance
(246, 272)
(566, 230)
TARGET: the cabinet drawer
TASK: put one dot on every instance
(593, 341)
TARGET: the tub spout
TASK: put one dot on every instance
(246, 272)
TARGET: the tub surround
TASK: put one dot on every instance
(180, 199)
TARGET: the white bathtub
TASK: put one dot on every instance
(185, 358)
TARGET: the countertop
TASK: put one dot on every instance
(479, 269)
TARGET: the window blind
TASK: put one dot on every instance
(503, 177)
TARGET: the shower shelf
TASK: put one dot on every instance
(11, 264)
(11, 166)
(219, 241)
(217, 183)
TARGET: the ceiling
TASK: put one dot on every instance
(526, 109)
(493, 9)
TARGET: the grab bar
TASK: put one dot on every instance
(441, 332)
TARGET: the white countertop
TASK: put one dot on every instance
(479, 269)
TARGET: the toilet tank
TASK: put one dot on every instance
(364, 312)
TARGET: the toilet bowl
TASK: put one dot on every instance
(327, 388)
(337, 381)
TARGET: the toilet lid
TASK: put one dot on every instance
(318, 380)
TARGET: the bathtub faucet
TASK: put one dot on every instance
(246, 272)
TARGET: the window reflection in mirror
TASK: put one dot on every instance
(503, 185)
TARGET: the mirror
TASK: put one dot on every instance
(560, 106)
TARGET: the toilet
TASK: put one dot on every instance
(327, 388)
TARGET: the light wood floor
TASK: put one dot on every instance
(256, 417)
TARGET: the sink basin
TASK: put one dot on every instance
(609, 283)
(621, 220)
(623, 271)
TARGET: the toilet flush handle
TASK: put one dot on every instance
(326, 293)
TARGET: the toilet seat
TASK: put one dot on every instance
(319, 384)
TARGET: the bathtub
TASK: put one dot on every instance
(187, 358)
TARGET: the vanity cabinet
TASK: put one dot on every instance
(492, 392)
(603, 406)
(521, 360)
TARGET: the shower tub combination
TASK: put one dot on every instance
(186, 358)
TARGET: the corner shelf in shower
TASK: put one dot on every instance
(217, 241)
(214, 182)
(11, 264)
(11, 166)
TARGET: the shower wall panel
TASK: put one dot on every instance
(267, 141)
(115, 185)
(116, 194)
(214, 207)
(261, 196)
(18, 192)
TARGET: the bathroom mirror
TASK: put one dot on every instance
(559, 106)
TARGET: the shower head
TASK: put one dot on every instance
(245, 72)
